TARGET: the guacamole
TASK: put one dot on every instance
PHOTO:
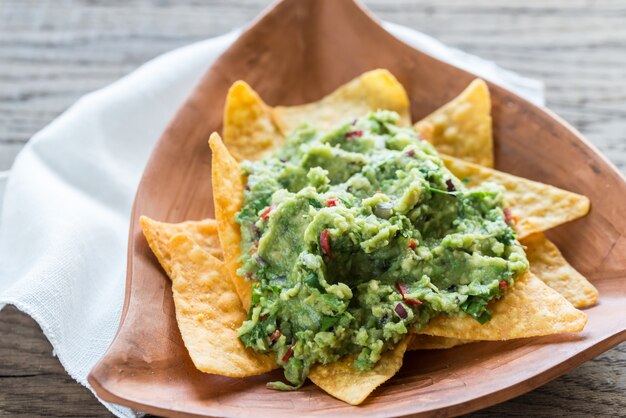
(353, 237)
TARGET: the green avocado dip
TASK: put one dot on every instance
(354, 236)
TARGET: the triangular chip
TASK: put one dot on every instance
(158, 234)
(344, 382)
(373, 90)
(249, 131)
(462, 127)
(428, 342)
(208, 312)
(426, 131)
(549, 265)
(529, 309)
(545, 259)
(228, 185)
(537, 206)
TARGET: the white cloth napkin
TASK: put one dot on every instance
(65, 217)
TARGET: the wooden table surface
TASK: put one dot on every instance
(53, 52)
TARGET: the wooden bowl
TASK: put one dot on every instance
(297, 52)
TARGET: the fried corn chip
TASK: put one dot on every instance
(426, 131)
(537, 206)
(549, 265)
(462, 127)
(373, 90)
(529, 309)
(249, 131)
(158, 234)
(428, 342)
(353, 386)
(252, 129)
(228, 186)
(208, 312)
(545, 259)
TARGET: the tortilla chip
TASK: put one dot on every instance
(537, 206)
(529, 309)
(426, 131)
(249, 131)
(428, 342)
(158, 234)
(373, 90)
(462, 127)
(208, 312)
(545, 259)
(345, 383)
(228, 186)
(549, 265)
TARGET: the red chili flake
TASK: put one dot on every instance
(252, 251)
(265, 215)
(410, 153)
(503, 285)
(412, 244)
(249, 276)
(325, 243)
(275, 335)
(288, 353)
(331, 202)
(508, 216)
(264, 317)
(352, 134)
(402, 313)
(403, 290)
(450, 186)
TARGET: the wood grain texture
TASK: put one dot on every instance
(51, 53)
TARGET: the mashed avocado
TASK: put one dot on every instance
(352, 237)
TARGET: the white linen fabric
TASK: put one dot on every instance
(64, 216)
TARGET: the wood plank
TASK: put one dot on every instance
(32, 381)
